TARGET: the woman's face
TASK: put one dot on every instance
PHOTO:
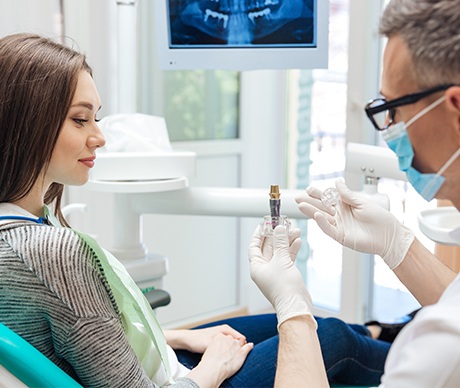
(75, 150)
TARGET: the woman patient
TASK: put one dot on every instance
(54, 290)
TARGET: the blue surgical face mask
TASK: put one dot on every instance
(427, 185)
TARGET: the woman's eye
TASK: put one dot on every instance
(80, 121)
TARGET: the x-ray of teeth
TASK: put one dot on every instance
(242, 23)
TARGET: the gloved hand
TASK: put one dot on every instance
(358, 223)
(273, 269)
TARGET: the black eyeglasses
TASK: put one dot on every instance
(382, 112)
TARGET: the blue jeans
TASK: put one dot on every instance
(350, 355)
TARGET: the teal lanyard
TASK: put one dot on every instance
(39, 220)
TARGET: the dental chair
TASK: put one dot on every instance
(158, 298)
(28, 365)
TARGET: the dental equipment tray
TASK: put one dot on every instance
(132, 166)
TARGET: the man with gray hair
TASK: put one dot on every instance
(419, 118)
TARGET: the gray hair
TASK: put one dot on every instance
(431, 30)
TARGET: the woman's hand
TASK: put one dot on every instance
(198, 340)
(223, 357)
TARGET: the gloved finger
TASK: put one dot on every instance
(309, 193)
(294, 248)
(314, 198)
(314, 192)
(327, 227)
(255, 245)
(280, 241)
(293, 234)
(347, 196)
(267, 247)
(310, 210)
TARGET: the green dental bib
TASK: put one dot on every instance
(139, 321)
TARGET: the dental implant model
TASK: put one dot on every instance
(330, 197)
(275, 218)
(275, 201)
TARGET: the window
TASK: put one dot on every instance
(201, 104)
(317, 139)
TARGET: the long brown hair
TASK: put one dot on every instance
(38, 78)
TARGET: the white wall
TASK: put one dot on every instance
(29, 15)
(208, 257)
(93, 27)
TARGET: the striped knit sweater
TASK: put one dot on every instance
(53, 294)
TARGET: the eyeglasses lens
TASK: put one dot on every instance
(381, 118)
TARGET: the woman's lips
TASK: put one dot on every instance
(88, 162)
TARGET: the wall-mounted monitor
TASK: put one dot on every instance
(242, 34)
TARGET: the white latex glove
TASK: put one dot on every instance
(273, 269)
(358, 223)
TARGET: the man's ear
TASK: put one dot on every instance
(453, 104)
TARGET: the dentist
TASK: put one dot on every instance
(419, 117)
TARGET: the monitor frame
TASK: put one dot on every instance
(247, 58)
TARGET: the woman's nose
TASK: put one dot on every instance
(97, 139)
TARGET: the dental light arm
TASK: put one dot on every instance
(213, 201)
(374, 163)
